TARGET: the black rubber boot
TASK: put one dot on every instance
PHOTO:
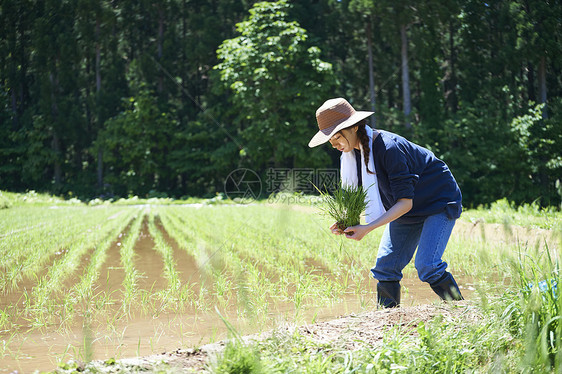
(388, 294)
(447, 288)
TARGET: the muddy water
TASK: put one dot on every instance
(142, 335)
(146, 335)
(111, 273)
(149, 262)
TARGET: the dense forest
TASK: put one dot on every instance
(166, 98)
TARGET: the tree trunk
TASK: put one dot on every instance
(405, 78)
(371, 72)
(531, 82)
(56, 148)
(100, 168)
(98, 93)
(55, 143)
(185, 53)
(98, 57)
(451, 90)
(88, 101)
(160, 49)
(14, 110)
(542, 85)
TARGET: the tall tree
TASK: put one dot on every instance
(404, 12)
(277, 81)
(364, 9)
(538, 30)
(56, 64)
(474, 70)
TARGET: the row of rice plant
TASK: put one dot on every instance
(250, 258)
(209, 273)
(24, 251)
(85, 294)
(92, 230)
(262, 253)
(177, 294)
(131, 274)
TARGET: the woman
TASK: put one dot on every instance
(408, 188)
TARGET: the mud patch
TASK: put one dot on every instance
(148, 262)
(368, 329)
(349, 332)
(111, 273)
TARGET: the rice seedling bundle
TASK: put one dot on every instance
(345, 205)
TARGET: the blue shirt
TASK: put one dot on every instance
(407, 170)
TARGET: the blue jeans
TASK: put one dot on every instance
(399, 243)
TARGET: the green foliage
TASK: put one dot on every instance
(10, 150)
(198, 160)
(528, 215)
(239, 83)
(238, 358)
(277, 80)
(484, 153)
(37, 199)
(536, 311)
(136, 144)
(539, 142)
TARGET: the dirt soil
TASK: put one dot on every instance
(347, 332)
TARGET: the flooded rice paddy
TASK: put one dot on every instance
(111, 282)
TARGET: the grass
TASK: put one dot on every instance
(526, 215)
(518, 331)
(265, 264)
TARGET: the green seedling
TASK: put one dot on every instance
(345, 205)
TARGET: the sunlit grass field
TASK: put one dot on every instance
(112, 280)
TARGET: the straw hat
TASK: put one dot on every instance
(332, 116)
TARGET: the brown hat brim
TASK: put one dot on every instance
(323, 136)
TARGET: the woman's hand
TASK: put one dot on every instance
(335, 230)
(357, 232)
